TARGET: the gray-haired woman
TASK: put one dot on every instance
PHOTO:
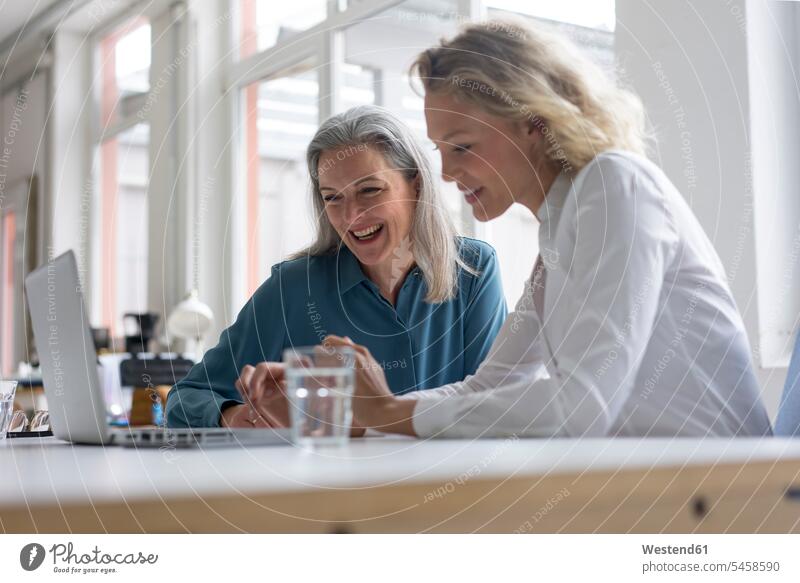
(386, 270)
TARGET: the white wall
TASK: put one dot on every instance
(689, 62)
(775, 125)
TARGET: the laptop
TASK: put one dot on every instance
(71, 382)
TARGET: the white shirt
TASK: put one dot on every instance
(638, 336)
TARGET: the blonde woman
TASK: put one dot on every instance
(386, 269)
(627, 325)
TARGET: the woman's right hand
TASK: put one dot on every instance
(374, 404)
(265, 404)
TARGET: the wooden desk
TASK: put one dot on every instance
(402, 485)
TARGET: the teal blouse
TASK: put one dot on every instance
(418, 344)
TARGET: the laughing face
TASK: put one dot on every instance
(370, 204)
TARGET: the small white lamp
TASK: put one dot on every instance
(190, 320)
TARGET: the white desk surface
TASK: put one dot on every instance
(47, 471)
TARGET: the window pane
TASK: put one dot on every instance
(132, 60)
(124, 67)
(123, 212)
(124, 63)
(383, 48)
(359, 85)
(599, 14)
(281, 116)
(590, 25)
(8, 234)
(264, 23)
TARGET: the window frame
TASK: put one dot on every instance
(166, 284)
(104, 303)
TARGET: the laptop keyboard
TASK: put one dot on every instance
(152, 437)
(205, 437)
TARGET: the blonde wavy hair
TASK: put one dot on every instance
(434, 242)
(519, 71)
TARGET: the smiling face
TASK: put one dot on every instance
(370, 204)
(490, 158)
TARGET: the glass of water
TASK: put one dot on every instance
(7, 392)
(319, 383)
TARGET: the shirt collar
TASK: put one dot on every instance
(550, 210)
(350, 273)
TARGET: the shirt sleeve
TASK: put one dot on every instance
(257, 335)
(595, 335)
(509, 359)
(485, 312)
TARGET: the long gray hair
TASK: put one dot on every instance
(433, 236)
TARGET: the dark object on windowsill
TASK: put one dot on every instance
(151, 378)
(144, 330)
(154, 371)
(29, 382)
(102, 339)
(13, 434)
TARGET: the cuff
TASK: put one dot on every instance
(213, 411)
(432, 417)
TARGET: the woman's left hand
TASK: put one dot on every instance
(263, 391)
